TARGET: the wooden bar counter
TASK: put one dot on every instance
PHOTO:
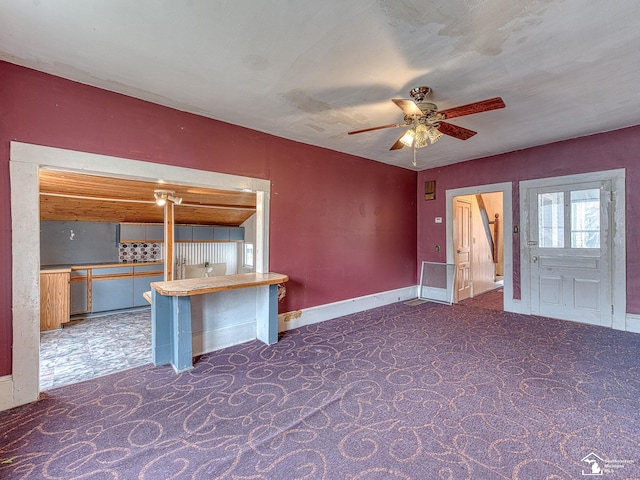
(171, 312)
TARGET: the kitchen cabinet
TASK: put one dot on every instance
(236, 233)
(111, 288)
(79, 292)
(183, 233)
(154, 233)
(114, 287)
(132, 232)
(138, 232)
(202, 234)
(221, 234)
(111, 294)
(143, 275)
(205, 233)
(54, 298)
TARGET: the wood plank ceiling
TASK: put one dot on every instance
(69, 196)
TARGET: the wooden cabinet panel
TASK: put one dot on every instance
(54, 299)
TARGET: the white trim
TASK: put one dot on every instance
(618, 244)
(25, 161)
(632, 323)
(510, 305)
(321, 313)
(6, 392)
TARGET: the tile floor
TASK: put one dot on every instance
(94, 347)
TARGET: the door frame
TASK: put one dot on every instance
(22, 386)
(617, 217)
(510, 305)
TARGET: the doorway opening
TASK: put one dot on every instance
(102, 243)
(478, 242)
(26, 160)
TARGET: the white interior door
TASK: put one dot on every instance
(462, 248)
(569, 242)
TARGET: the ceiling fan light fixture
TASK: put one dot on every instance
(408, 138)
(434, 135)
(422, 135)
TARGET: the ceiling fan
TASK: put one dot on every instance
(427, 123)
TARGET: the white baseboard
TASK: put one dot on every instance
(632, 321)
(6, 392)
(321, 313)
(513, 305)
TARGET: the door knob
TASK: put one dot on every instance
(534, 259)
(459, 251)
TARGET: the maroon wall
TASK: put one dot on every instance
(341, 226)
(605, 151)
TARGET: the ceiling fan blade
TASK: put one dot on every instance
(407, 106)
(477, 107)
(456, 131)
(391, 125)
(398, 145)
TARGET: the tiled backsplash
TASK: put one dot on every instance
(140, 252)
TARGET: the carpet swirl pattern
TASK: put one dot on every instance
(397, 392)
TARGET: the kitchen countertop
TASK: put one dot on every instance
(202, 285)
(85, 266)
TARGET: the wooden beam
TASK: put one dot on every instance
(168, 242)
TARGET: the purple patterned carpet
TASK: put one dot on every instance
(398, 392)
(491, 300)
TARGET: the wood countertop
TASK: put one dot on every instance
(114, 265)
(87, 266)
(56, 270)
(200, 286)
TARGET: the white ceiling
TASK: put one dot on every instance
(311, 70)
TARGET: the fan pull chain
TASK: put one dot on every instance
(415, 164)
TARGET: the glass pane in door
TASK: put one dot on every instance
(551, 220)
(585, 218)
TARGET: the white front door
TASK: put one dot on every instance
(462, 248)
(569, 245)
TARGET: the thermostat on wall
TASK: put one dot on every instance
(438, 219)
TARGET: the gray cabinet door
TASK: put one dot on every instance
(130, 232)
(202, 234)
(145, 267)
(236, 233)
(79, 297)
(141, 285)
(221, 233)
(111, 294)
(183, 233)
(154, 233)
